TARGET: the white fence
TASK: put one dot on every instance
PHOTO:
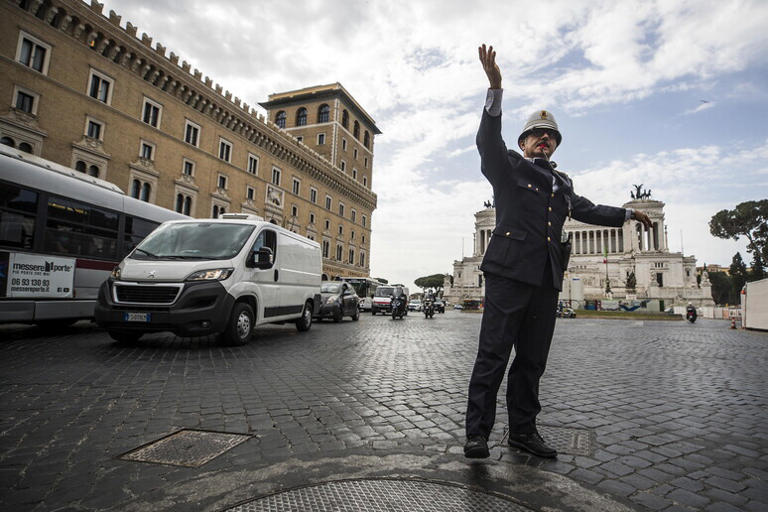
(754, 305)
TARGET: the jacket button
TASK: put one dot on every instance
(553, 194)
(549, 223)
(507, 233)
(549, 208)
(549, 239)
(529, 185)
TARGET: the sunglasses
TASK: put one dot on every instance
(538, 132)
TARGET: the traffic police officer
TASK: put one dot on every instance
(523, 267)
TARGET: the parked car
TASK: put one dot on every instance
(458, 306)
(223, 276)
(414, 305)
(439, 306)
(338, 299)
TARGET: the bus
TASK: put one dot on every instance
(364, 287)
(61, 234)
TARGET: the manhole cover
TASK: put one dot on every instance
(568, 441)
(189, 448)
(381, 496)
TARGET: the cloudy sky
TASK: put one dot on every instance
(670, 94)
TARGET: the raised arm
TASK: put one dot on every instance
(494, 160)
(488, 60)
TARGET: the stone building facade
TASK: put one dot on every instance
(602, 256)
(79, 88)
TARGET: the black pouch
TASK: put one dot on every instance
(565, 250)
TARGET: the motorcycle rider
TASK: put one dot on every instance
(690, 313)
(402, 300)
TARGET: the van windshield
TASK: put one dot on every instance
(385, 291)
(194, 241)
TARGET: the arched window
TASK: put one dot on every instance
(187, 205)
(7, 141)
(324, 114)
(345, 119)
(93, 171)
(367, 139)
(301, 117)
(135, 189)
(356, 130)
(25, 147)
(80, 166)
(179, 202)
(280, 119)
(145, 190)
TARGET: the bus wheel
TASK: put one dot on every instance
(305, 322)
(240, 325)
(125, 337)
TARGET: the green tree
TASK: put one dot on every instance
(435, 281)
(748, 219)
(758, 268)
(722, 288)
(738, 277)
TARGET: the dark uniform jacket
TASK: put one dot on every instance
(529, 216)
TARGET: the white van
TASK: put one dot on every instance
(207, 276)
(382, 298)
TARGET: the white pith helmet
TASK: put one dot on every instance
(540, 119)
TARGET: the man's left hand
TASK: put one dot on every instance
(642, 218)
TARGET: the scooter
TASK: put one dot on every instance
(690, 314)
(398, 308)
(428, 308)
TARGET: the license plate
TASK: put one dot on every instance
(137, 317)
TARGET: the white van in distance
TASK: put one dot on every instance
(208, 276)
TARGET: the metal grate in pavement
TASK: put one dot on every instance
(381, 496)
(568, 441)
(188, 448)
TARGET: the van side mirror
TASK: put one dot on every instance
(263, 258)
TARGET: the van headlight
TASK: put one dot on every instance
(332, 300)
(115, 274)
(216, 274)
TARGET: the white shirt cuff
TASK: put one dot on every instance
(493, 102)
(628, 214)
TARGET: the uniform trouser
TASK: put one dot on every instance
(520, 315)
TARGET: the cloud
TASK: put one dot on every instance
(705, 105)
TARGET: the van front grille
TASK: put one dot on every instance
(146, 294)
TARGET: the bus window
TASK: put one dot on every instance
(136, 230)
(80, 229)
(18, 207)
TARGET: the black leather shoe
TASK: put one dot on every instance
(476, 447)
(532, 443)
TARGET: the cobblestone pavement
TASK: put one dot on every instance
(677, 413)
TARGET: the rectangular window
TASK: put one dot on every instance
(294, 211)
(366, 162)
(311, 218)
(94, 130)
(341, 209)
(151, 113)
(320, 139)
(253, 164)
(352, 236)
(351, 256)
(25, 102)
(33, 53)
(250, 193)
(343, 166)
(326, 248)
(276, 176)
(191, 133)
(354, 215)
(296, 186)
(78, 228)
(327, 202)
(327, 224)
(100, 87)
(354, 174)
(313, 195)
(222, 183)
(225, 150)
(365, 181)
(188, 169)
(363, 220)
(362, 259)
(147, 151)
(341, 229)
(18, 209)
(343, 144)
(355, 153)
(339, 251)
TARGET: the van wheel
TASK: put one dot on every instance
(240, 325)
(356, 315)
(305, 322)
(337, 317)
(125, 337)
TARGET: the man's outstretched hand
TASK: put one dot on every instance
(488, 60)
(642, 218)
